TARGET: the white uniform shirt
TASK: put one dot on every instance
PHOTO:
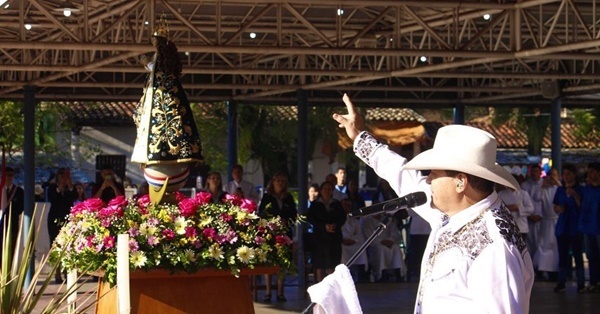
(523, 201)
(484, 270)
(247, 188)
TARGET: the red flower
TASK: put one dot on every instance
(179, 196)
(283, 239)
(203, 198)
(248, 205)
(188, 207)
(118, 201)
(143, 201)
(168, 234)
(233, 199)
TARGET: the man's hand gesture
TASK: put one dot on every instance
(353, 122)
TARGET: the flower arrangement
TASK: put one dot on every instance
(191, 235)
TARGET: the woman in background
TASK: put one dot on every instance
(278, 202)
(61, 196)
(327, 217)
(214, 186)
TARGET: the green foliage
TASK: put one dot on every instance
(47, 123)
(211, 121)
(536, 122)
(587, 121)
(15, 295)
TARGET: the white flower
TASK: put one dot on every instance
(261, 255)
(245, 254)
(179, 225)
(215, 251)
(189, 256)
(147, 230)
(138, 258)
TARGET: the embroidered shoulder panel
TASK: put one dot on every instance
(366, 145)
(471, 239)
(508, 228)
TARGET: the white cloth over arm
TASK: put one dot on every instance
(336, 293)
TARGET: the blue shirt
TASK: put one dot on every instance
(589, 219)
(567, 220)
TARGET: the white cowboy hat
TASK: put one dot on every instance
(465, 149)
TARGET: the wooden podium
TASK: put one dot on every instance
(206, 291)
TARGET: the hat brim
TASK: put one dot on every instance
(432, 160)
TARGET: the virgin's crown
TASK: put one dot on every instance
(162, 27)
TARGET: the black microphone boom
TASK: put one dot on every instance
(407, 201)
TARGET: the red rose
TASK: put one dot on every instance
(119, 201)
(203, 198)
(233, 199)
(188, 207)
(248, 205)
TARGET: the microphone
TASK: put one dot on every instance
(407, 201)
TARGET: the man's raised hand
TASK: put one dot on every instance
(353, 122)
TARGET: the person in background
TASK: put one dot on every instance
(546, 256)
(141, 191)
(386, 260)
(519, 204)
(240, 187)
(109, 188)
(567, 202)
(80, 189)
(589, 224)
(13, 204)
(214, 186)
(278, 202)
(341, 189)
(352, 240)
(313, 193)
(533, 186)
(327, 217)
(418, 234)
(61, 196)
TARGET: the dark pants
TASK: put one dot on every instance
(592, 251)
(574, 244)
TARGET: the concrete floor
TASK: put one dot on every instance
(398, 298)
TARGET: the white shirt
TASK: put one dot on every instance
(480, 270)
(247, 188)
(523, 201)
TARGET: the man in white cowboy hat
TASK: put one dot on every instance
(475, 261)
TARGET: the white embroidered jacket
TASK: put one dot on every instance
(476, 261)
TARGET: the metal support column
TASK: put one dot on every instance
(459, 114)
(555, 122)
(302, 175)
(29, 169)
(232, 137)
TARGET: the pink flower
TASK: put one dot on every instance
(203, 198)
(90, 205)
(282, 239)
(179, 196)
(119, 201)
(226, 217)
(188, 207)
(233, 199)
(168, 234)
(248, 205)
(209, 233)
(109, 242)
(143, 201)
(190, 232)
(259, 240)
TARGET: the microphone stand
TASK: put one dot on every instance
(382, 225)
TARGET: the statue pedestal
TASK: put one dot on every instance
(206, 291)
